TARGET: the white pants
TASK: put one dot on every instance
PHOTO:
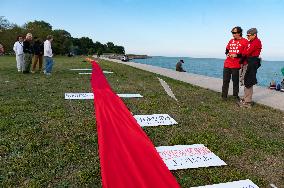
(20, 62)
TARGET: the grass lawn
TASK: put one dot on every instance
(46, 141)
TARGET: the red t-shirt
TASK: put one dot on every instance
(253, 48)
(235, 47)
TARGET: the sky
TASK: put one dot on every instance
(184, 28)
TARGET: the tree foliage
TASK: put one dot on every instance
(63, 42)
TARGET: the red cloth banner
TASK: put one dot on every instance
(127, 156)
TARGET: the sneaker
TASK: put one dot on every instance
(44, 72)
(48, 74)
(33, 72)
(244, 104)
(247, 105)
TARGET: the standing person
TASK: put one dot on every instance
(251, 53)
(18, 49)
(179, 66)
(232, 65)
(38, 53)
(48, 55)
(28, 53)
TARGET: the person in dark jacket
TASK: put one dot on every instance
(28, 53)
(179, 66)
(38, 54)
(251, 54)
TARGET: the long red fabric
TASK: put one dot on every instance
(127, 156)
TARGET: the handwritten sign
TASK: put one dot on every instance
(234, 184)
(87, 96)
(79, 96)
(188, 156)
(154, 120)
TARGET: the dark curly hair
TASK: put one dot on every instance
(239, 30)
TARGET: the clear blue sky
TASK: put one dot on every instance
(192, 28)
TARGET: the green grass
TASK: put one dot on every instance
(46, 141)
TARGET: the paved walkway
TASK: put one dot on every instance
(274, 99)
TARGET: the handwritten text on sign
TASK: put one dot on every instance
(188, 156)
(154, 120)
(86, 96)
(235, 184)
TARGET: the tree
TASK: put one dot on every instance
(9, 36)
(62, 41)
(4, 24)
(38, 29)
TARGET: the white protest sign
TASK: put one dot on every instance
(188, 156)
(130, 95)
(80, 69)
(85, 73)
(154, 120)
(77, 96)
(234, 184)
(86, 96)
(105, 72)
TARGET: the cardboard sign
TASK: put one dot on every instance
(154, 120)
(188, 156)
(234, 184)
(86, 96)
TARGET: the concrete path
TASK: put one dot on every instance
(274, 99)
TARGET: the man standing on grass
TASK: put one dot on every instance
(251, 53)
(38, 53)
(232, 65)
(18, 49)
(28, 53)
(48, 55)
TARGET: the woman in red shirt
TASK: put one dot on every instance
(232, 65)
(251, 54)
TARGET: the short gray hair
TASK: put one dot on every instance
(252, 31)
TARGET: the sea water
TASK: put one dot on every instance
(269, 70)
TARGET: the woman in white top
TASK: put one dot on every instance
(18, 49)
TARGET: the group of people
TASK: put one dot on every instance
(241, 64)
(29, 53)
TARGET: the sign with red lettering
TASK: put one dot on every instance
(188, 156)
